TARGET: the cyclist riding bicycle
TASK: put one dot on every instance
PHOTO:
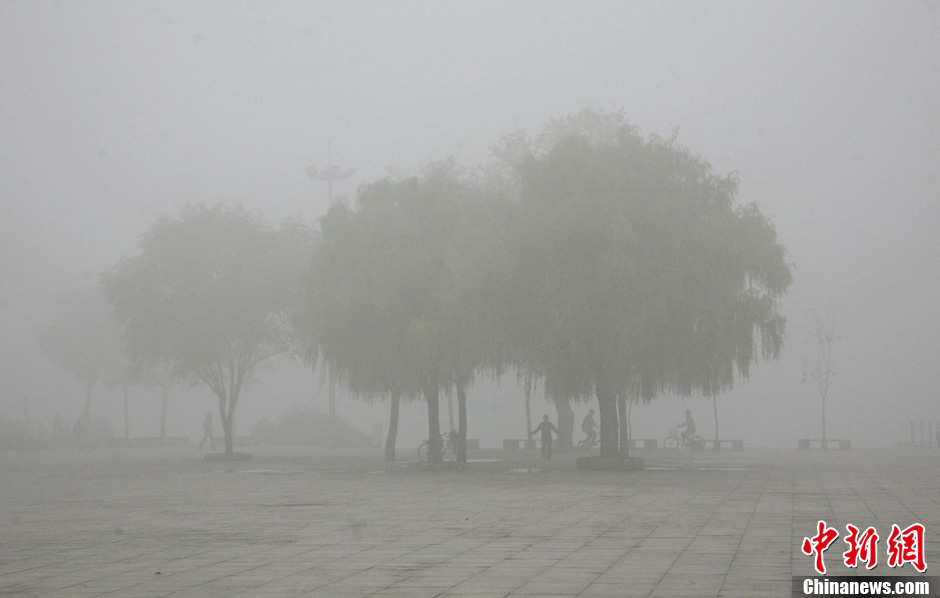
(689, 426)
(589, 427)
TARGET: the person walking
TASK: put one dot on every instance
(207, 432)
(546, 428)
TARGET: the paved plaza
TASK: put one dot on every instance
(306, 522)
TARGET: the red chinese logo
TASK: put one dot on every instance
(864, 548)
(907, 546)
(904, 546)
(819, 543)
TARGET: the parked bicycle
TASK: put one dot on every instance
(450, 446)
(675, 439)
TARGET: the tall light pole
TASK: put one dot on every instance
(331, 174)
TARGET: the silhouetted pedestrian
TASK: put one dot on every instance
(546, 428)
(207, 432)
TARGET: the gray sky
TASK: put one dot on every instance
(114, 112)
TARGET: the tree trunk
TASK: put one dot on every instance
(127, 416)
(432, 396)
(565, 423)
(607, 409)
(227, 415)
(715, 409)
(392, 428)
(630, 419)
(450, 409)
(461, 422)
(332, 399)
(824, 423)
(229, 441)
(622, 421)
(528, 405)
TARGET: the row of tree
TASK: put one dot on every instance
(601, 262)
(85, 339)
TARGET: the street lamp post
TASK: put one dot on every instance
(331, 174)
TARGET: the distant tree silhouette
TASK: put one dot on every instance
(85, 339)
(821, 373)
(210, 293)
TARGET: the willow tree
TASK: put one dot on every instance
(394, 303)
(648, 278)
(355, 306)
(210, 294)
(524, 312)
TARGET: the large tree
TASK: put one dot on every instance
(396, 297)
(354, 313)
(210, 293)
(645, 276)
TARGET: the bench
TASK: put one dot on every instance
(734, 445)
(643, 443)
(149, 441)
(808, 443)
(515, 444)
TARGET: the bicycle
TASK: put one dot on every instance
(675, 440)
(588, 443)
(450, 445)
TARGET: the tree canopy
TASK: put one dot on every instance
(645, 276)
(210, 292)
(396, 298)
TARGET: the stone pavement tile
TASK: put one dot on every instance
(757, 588)
(75, 592)
(340, 592)
(718, 563)
(630, 589)
(535, 588)
(263, 593)
(375, 577)
(21, 578)
(429, 581)
(565, 575)
(473, 588)
(296, 583)
(493, 593)
(689, 585)
(412, 592)
(27, 589)
(703, 544)
(136, 593)
(544, 591)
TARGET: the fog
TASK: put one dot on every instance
(112, 114)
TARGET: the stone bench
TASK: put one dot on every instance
(515, 444)
(809, 443)
(734, 445)
(149, 441)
